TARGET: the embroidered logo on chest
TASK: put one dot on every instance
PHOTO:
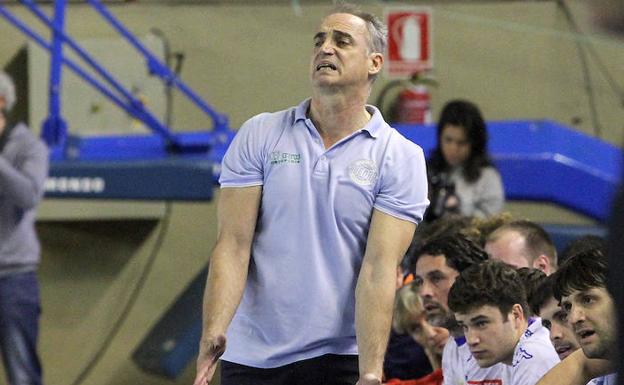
(363, 172)
(278, 157)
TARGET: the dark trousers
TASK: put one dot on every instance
(19, 327)
(330, 369)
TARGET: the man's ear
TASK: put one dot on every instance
(542, 263)
(375, 63)
(517, 315)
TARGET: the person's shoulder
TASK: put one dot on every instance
(401, 146)
(23, 134)
(535, 347)
(490, 172)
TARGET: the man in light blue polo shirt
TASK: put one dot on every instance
(318, 205)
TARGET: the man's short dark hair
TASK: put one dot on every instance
(537, 240)
(542, 293)
(584, 243)
(492, 283)
(538, 288)
(582, 271)
(460, 251)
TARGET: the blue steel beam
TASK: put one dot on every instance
(68, 62)
(160, 69)
(55, 128)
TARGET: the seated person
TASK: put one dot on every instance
(404, 359)
(580, 286)
(553, 317)
(522, 243)
(410, 318)
(462, 178)
(489, 303)
(438, 262)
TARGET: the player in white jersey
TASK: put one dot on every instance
(439, 261)
(580, 286)
(489, 303)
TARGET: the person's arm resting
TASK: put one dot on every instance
(23, 185)
(237, 214)
(576, 369)
(388, 240)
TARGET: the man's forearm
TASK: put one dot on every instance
(374, 300)
(576, 369)
(224, 289)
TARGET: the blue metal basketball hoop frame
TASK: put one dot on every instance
(183, 163)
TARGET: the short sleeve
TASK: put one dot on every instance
(243, 163)
(403, 183)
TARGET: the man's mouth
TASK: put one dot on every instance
(326, 66)
(431, 307)
(584, 334)
(563, 350)
(479, 354)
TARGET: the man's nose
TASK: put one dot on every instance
(472, 338)
(426, 289)
(555, 332)
(328, 47)
(576, 315)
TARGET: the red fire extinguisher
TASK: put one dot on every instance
(412, 103)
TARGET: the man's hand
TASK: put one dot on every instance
(209, 353)
(369, 379)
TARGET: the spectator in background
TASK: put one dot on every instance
(523, 243)
(23, 169)
(462, 178)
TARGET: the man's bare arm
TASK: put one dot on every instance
(576, 369)
(388, 240)
(237, 214)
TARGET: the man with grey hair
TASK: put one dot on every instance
(314, 216)
(23, 169)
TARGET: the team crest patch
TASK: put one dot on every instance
(363, 172)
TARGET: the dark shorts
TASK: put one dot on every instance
(330, 369)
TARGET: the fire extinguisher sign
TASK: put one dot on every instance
(409, 41)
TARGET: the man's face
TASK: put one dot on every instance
(426, 334)
(341, 54)
(561, 334)
(591, 316)
(509, 247)
(435, 278)
(491, 337)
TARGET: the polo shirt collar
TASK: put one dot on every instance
(373, 126)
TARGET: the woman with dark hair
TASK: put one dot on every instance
(462, 178)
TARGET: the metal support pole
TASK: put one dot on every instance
(55, 127)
